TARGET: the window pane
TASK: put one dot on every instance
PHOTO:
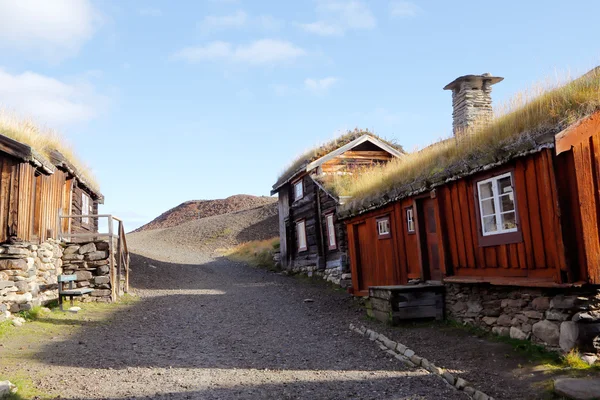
(331, 230)
(505, 185)
(489, 224)
(488, 207)
(509, 221)
(485, 190)
(507, 203)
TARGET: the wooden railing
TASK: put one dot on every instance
(117, 247)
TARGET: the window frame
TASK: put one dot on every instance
(86, 210)
(412, 231)
(329, 236)
(388, 234)
(298, 183)
(514, 235)
(305, 247)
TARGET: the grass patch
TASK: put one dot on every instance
(528, 116)
(5, 328)
(35, 313)
(258, 253)
(26, 389)
(43, 140)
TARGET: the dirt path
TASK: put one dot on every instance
(219, 330)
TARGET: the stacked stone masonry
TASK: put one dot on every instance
(335, 275)
(28, 272)
(560, 319)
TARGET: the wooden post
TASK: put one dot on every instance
(111, 259)
(119, 258)
(59, 228)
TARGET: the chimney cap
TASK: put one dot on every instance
(473, 78)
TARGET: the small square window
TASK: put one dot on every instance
(298, 190)
(410, 220)
(301, 235)
(383, 227)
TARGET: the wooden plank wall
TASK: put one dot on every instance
(283, 207)
(328, 204)
(540, 254)
(584, 210)
(77, 226)
(29, 204)
(304, 208)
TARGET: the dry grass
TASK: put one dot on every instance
(258, 253)
(43, 140)
(528, 114)
(326, 148)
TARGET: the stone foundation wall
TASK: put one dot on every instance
(28, 275)
(335, 275)
(560, 319)
(90, 262)
(28, 272)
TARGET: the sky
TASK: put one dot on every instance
(169, 101)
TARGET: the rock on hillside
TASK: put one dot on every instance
(189, 242)
(196, 209)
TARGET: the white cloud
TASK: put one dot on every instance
(49, 100)
(335, 17)
(404, 9)
(322, 28)
(48, 29)
(320, 86)
(212, 23)
(151, 12)
(259, 52)
(238, 20)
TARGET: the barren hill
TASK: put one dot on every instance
(190, 241)
(197, 209)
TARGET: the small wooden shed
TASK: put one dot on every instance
(311, 237)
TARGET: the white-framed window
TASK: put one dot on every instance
(298, 190)
(383, 227)
(497, 208)
(86, 207)
(410, 220)
(330, 232)
(301, 235)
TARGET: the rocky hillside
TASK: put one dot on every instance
(197, 209)
(192, 240)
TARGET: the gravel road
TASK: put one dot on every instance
(221, 330)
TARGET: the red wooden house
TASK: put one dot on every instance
(499, 230)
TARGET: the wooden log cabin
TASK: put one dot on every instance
(312, 239)
(511, 235)
(35, 189)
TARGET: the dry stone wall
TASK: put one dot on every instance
(91, 263)
(28, 272)
(560, 319)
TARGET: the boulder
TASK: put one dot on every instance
(87, 248)
(533, 314)
(541, 303)
(504, 320)
(556, 315)
(501, 331)
(71, 249)
(563, 302)
(100, 280)
(583, 337)
(14, 264)
(547, 332)
(489, 320)
(577, 389)
(83, 275)
(516, 333)
(96, 255)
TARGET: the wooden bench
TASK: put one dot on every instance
(71, 291)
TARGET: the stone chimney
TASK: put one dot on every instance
(471, 101)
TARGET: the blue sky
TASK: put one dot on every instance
(173, 101)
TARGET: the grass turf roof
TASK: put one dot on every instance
(528, 124)
(317, 152)
(44, 141)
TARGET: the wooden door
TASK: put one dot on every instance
(431, 253)
(364, 268)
